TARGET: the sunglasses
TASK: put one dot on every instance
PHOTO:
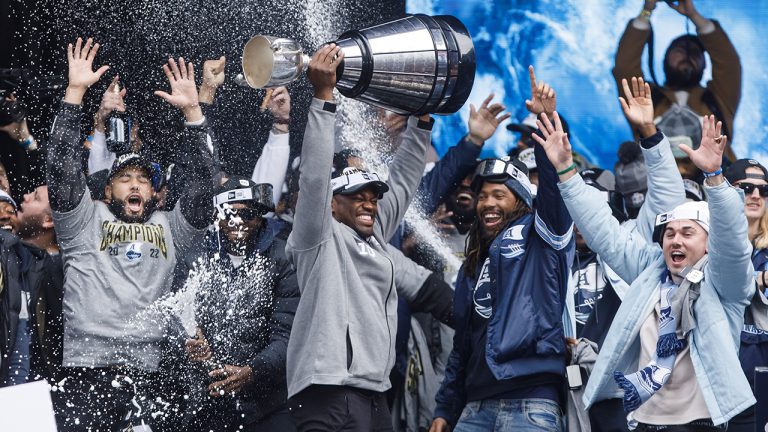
(748, 188)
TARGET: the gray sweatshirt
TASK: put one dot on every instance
(345, 325)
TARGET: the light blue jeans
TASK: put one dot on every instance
(501, 415)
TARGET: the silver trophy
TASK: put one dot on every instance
(414, 65)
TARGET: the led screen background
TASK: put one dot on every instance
(571, 44)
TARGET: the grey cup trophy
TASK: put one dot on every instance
(414, 65)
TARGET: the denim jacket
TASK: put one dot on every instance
(719, 311)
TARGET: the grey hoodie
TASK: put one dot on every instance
(345, 325)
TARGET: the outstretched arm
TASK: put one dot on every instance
(590, 212)
(665, 185)
(273, 162)
(461, 159)
(730, 266)
(66, 181)
(312, 221)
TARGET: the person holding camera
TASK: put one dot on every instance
(681, 100)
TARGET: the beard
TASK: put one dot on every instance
(683, 77)
(117, 207)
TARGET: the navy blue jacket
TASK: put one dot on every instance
(529, 265)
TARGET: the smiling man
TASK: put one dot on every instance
(508, 357)
(672, 347)
(341, 348)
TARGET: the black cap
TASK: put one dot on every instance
(599, 178)
(528, 125)
(133, 160)
(244, 190)
(738, 171)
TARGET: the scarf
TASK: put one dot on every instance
(676, 310)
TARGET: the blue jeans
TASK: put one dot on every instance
(18, 361)
(501, 415)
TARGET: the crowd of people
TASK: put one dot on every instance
(585, 299)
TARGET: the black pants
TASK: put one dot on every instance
(608, 416)
(228, 420)
(339, 408)
(100, 399)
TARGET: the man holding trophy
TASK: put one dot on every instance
(341, 348)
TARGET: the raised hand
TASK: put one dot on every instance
(709, 156)
(555, 142)
(111, 101)
(638, 106)
(213, 72)
(543, 97)
(183, 89)
(81, 74)
(684, 7)
(483, 122)
(322, 70)
(198, 349)
(280, 104)
(213, 78)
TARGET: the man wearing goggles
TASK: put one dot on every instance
(508, 358)
(244, 310)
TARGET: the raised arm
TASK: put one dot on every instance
(665, 185)
(65, 178)
(461, 159)
(591, 213)
(99, 156)
(730, 265)
(273, 162)
(405, 173)
(197, 148)
(312, 221)
(627, 62)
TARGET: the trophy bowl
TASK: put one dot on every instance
(270, 62)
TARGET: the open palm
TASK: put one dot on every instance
(182, 80)
(637, 104)
(80, 60)
(709, 156)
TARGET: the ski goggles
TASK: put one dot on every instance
(497, 169)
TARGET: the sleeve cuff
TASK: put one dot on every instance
(70, 108)
(323, 105)
(641, 24)
(195, 123)
(651, 141)
(425, 125)
(707, 28)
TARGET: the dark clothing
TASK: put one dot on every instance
(721, 95)
(459, 162)
(608, 416)
(15, 262)
(99, 399)
(320, 408)
(46, 279)
(704, 425)
(521, 291)
(246, 315)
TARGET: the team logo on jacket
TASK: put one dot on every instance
(481, 296)
(512, 242)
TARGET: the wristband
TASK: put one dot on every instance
(284, 121)
(28, 143)
(713, 173)
(572, 167)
